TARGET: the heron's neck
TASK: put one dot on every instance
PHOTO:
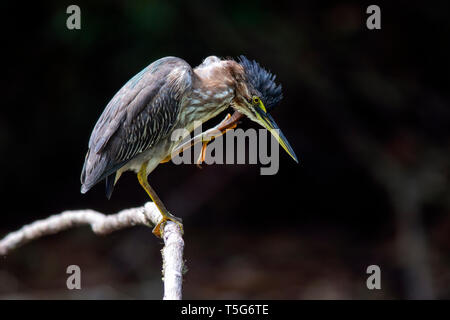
(213, 90)
(214, 80)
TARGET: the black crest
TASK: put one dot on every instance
(263, 81)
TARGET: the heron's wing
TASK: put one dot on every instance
(141, 113)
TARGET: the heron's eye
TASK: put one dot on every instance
(255, 100)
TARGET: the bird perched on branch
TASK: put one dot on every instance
(134, 131)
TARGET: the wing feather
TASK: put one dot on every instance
(141, 113)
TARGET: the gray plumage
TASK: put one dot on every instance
(134, 130)
(141, 113)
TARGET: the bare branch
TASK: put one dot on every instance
(148, 215)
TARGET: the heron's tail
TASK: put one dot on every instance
(96, 168)
(93, 170)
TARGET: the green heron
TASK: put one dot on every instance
(134, 130)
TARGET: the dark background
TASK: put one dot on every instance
(366, 112)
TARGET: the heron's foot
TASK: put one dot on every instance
(166, 159)
(159, 228)
(230, 122)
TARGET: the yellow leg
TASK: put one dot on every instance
(157, 230)
(202, 156)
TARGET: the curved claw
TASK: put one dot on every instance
(159, 228)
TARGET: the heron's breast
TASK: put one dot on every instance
(203, 105)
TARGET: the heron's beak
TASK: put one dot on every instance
(270, 124)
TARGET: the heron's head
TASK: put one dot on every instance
(258, 96)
